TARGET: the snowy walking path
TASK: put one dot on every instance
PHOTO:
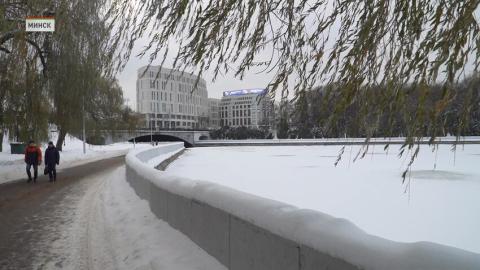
(110, 227)
(12, 167)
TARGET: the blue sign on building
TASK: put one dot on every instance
(245, 92)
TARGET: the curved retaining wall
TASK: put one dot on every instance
(246, 232)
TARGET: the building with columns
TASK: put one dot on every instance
(247, 107)
(213, 113)
(169, 100)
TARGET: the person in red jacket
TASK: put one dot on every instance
(33, 157)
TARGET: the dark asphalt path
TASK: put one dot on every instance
(29, 212)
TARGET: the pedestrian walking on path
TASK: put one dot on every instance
(33, 157)
(52, 159)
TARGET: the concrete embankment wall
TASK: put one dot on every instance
(243, 231)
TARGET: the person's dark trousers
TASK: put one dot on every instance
(52, 172)
(35, 172)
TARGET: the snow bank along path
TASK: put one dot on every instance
(244, 231)
(12, 166)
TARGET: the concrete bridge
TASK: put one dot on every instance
(189, 137)
(201, 138)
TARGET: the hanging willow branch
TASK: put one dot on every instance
(355, 47)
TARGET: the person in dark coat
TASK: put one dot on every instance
(33, 157)
(52, 159)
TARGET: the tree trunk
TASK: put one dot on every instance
(1, 140)
(61, 138)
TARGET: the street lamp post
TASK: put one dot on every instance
(83, 124)
(151, 132)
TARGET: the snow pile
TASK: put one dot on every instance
(336, 237)
(12, 167)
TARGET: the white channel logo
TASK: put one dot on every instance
(40, 24)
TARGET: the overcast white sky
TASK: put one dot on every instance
(225, 82)
(127, 78)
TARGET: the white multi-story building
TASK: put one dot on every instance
(213, 113)
(248, 107)
(169, 99)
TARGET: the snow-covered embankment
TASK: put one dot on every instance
(244, 231)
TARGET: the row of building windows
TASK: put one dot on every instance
(163, 96)
(173, 124)
(242, 102)
(237, 113)
(157, 107)
(172, 116)
(246, 98)
(235, 107)
(236, 122)
(184, 88)
(178, 78)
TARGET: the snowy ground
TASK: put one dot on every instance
(441, 205)
(12, 167)
(109, 227)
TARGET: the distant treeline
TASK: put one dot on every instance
(240, 133)
(442, 111)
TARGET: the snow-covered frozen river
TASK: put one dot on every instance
(441, 205)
